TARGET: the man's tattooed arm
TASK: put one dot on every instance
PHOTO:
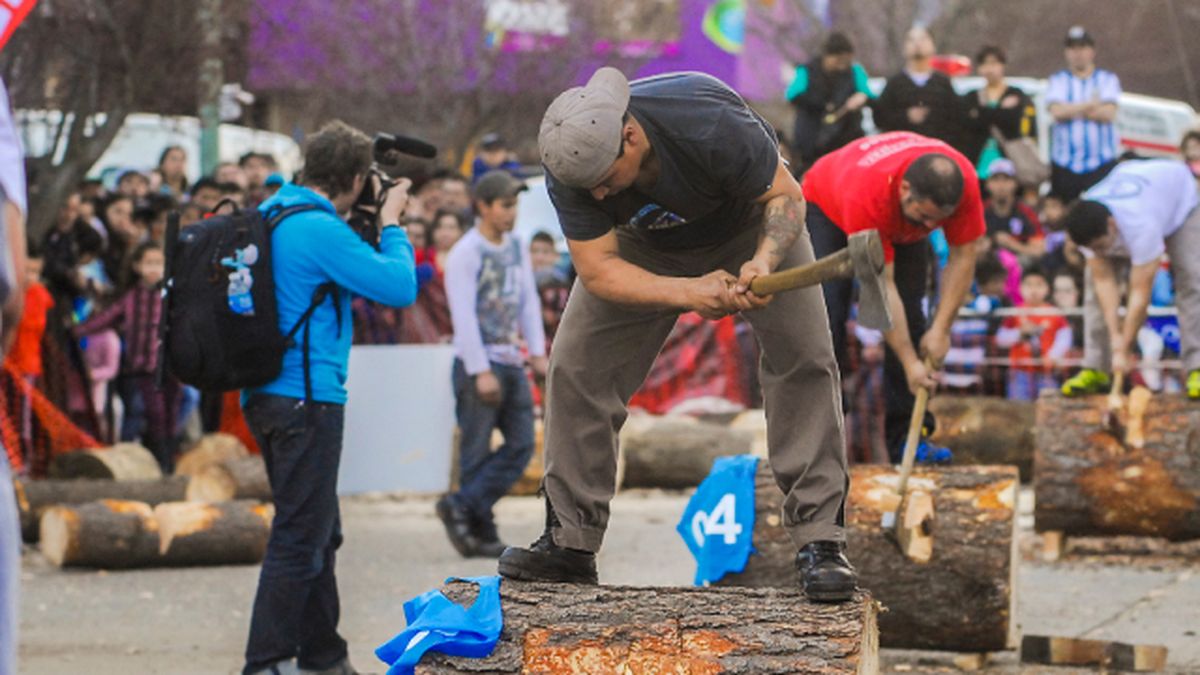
(783, 221)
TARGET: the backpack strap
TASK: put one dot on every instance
(277, 213)
(319, 295)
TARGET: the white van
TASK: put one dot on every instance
(143, 137)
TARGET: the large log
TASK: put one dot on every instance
(108, 534)
(35, 496)
(228, 533)
(563, 628)
(229, 480)
(963, 599)
(210, 449)
(676, 452)
(1087, 482)
(986, 430)
(114, 534)
(123, 461)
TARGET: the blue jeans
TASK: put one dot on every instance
(296, 608)
(10, 569)
(1025, 386)
(486, 476)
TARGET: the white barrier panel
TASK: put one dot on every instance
(399, 420)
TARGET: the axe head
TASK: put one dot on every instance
(866, 256)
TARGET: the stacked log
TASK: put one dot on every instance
(963, 599)
(986, 430)
(123, 461)
(211, 449)
(35, 496)
(676, 452)
(115, 534)
(564, 628)
(1087, 481)
(231, 479)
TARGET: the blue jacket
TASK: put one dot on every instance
(314, 247)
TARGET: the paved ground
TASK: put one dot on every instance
(194, 621)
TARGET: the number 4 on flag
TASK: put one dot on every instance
(12, 13)
(722, 521)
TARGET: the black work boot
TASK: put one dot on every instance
(825, 573)
(458, 527)
(546, 561)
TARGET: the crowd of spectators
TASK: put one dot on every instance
(86, 340)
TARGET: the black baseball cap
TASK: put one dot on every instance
(1078, 36)
(498, 184)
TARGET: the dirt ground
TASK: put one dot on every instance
(194, 621)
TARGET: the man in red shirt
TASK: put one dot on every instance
(905, 186)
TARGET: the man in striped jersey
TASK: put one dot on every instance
(1082, 99)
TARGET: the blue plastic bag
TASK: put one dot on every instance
(435, 622)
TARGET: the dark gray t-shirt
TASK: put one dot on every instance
(716, 157)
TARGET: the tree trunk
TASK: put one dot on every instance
(229, 533)
(963, 599)
(34, 497)
(113, 534)
(986, 430)
(1087, 482)
(123, 461)
(564, 628)
(676, 452)
(238, 478)
(108, 534)
(211, 449)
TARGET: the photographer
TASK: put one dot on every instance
(296, 607)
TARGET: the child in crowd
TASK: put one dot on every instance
(1036, 341)
(494, 305)
(136, 316)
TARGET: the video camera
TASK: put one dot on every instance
(385, 149)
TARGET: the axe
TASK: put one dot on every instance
(862, 259)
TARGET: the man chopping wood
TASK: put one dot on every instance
(1124, 225)
(673, 198)
(905, 186)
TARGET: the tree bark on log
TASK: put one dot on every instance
(676, 452)
(963, 599)
(565, 628)
(108, 534)
(1087, 482)
(115, 534)
(986, 430)
(123, 461)
(232, 479)
(35, 496)
(211, 449)
(228, 533)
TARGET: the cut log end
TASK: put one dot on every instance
(914, 531)
(1053, 545)
(123, 461)
(209, 450)
(59, 535)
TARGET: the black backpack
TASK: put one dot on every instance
(220, 328)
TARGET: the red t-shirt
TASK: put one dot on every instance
(858, 187)
(1023, 351)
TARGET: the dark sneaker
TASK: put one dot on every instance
(489, 547)
(825, 573)
(458, 526)
(546, 561)
(287, 667)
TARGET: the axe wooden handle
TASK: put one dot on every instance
(833, 266)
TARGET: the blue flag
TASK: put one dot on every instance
(718, 524)
(435, 622)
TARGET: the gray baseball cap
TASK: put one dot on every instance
(498, 184)
(580, 136)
